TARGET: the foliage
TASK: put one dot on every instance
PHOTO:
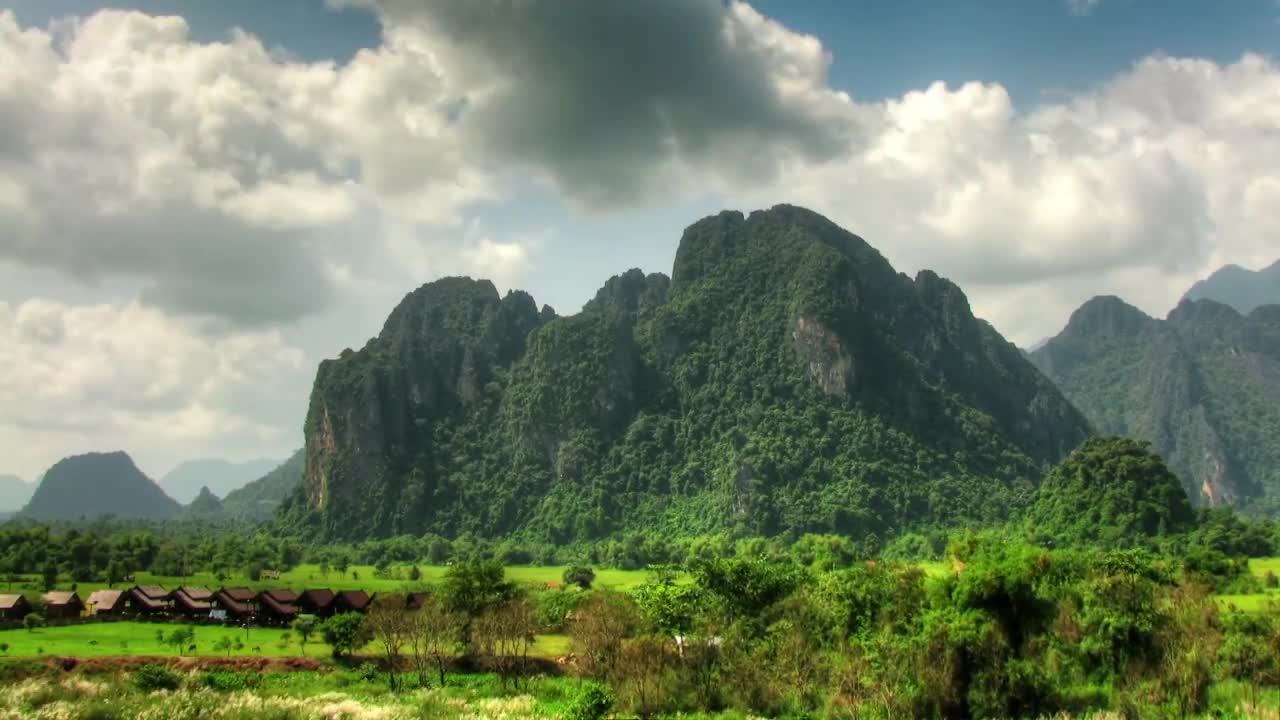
(591, 702)
(1110, 492)
(344, 632)
(579, 575)
(33, 620)
(150, 678)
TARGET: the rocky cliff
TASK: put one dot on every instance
(1202, 386)
(784, 378)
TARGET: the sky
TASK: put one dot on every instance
(200, 201)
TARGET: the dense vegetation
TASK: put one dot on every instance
(95, 484)
(259, 499)
(784, 380)
(1203, 387)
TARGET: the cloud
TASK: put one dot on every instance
(1082, 7)
(617, 102)
(1137, 187)
(133, 377)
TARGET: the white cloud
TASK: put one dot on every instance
(135, 378)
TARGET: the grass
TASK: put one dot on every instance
(357, 577)
(111, 639)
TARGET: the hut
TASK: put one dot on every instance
(351, 601)
(316, 601)
(14, 607)
(107, 603)
(148, 600)
(193, 601)
(62, 604)
(278, 606)
(233, 604)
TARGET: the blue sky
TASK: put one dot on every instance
(233, 206)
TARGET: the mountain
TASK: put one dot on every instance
(259, 499)
(205, 505)
(1242, 289)
(1110, 492)
(14, 492)
(183, 482)
(96, 484)
(1202, 386)
(784, 378)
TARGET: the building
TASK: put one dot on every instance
(106, 603)
(234, 604)
(317, 601)
(61, 604)
(13, 607)
(149, 600)
(278, 606)
(193, 601)
(351, 601)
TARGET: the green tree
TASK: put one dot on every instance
(49, 575)
(31, 621)
(579, 575)
(472, 587)
(345, 633)
(305, 626)
(181, 639)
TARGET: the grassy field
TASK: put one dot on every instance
(357, 577)
(112, 639)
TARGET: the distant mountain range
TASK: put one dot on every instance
(98, 484)
(183, 483)
(14, 492)
(1242, 289)
(259, 499)
(1203, 386)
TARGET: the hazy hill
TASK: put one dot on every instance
(259, 499)
(1242, 289)
(1202, 386)
(784, 377)
(87, 486)
(14, 493)
(183, 482)
(205, 505)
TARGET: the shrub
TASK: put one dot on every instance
(225, 681)
(591, 702)
(1270, 580)
(33, 621)
(150, 678)
(579, 575)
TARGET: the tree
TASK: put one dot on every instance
(344, 633)
(579, 575)
(115, 572)
(305, 626)
(389, 623)
(505, 633)
(472, 587)
(223, 645)
(415, 574)
(433, 639)
(32, 621)
(180, 639)
(49, 575)
(598, 630)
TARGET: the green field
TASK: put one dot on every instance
(357, 577)
(110, 639)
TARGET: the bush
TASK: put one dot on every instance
(150, 678)
(225, 681)
(579, 575)
(33, 621)
(591, 702)
(1270, 580)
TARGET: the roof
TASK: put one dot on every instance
(281, 596)
(277, 607)
(139, 595)
(9, 602)
(60, 597)
(195, 592)
(239, 594)
(230, 599)
(357, 599)
(155, 592)
(186, 601)
(105, 598)
(317, 598)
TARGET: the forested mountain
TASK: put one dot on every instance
(205, 505)
(183, 483)
(1202, 386)
(784, 378)
(97, 484)
(14, 492)
(259, 499)
(1242, 289)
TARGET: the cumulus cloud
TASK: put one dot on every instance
(133, 376)
(614, 101)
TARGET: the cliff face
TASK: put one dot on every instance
(784, 377)
(1202, 386)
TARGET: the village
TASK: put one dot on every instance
(240, 606)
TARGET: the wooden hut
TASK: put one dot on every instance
(62, 604)
(108, 603)
(193, 602)
(14, 607)
(234, 604)
(149, 600)
(351, 601)
(316, 601)
(278, 607)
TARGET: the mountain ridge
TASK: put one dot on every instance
(97, 484)
(184, 481)
(671, 401)
(1239, 287)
